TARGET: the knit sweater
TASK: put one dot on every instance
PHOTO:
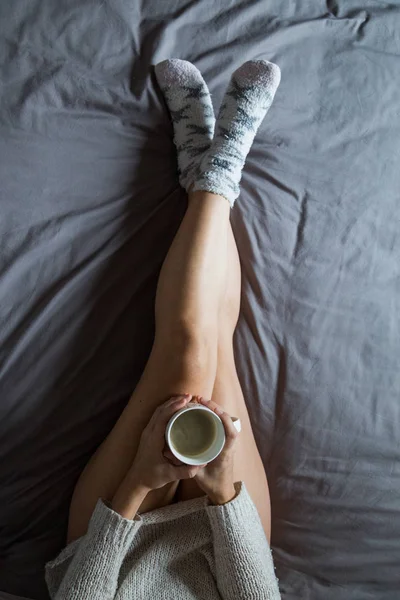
(190, 550)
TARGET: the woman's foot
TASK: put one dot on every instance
(192, 114)
(249, 95)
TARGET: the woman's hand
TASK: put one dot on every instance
(217, 478)
(153, 467)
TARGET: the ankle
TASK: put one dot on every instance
(204, 195)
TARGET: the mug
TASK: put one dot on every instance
(212, 451)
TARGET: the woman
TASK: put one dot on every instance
(142, 525)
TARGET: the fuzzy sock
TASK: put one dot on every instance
(192, 114)
(249, 95)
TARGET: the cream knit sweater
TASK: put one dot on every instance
(185, 551)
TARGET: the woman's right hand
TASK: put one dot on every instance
(217, 478)
(152, 467)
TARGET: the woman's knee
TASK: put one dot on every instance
(183, 361)
(187, 346)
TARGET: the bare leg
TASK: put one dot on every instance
(228, 393)
(183, 357)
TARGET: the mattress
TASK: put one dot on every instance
(89, 204)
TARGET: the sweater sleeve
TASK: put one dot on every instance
(89, 567)
(243, 559)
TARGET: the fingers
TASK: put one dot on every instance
(164, 412)
(173, 402)
(210, 404)
(231, 432)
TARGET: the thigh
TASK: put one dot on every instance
(248, 464)
(172, 369)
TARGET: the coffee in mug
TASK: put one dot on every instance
(193, 432)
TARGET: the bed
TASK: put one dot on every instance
(89, 204)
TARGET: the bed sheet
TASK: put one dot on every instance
(89, 204)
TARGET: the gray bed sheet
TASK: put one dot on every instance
(89, 204)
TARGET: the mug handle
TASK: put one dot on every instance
(237, 424)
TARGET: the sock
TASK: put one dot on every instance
(249, 95)
(192, 114)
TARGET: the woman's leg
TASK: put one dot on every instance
(183, 357)
(228, 393)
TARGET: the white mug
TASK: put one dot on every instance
(216, 448)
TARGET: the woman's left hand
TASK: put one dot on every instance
(217, 477)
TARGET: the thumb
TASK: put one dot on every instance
(188, 471)
(171, 458)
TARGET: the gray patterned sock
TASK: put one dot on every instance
(192, 113)
(249, 95)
